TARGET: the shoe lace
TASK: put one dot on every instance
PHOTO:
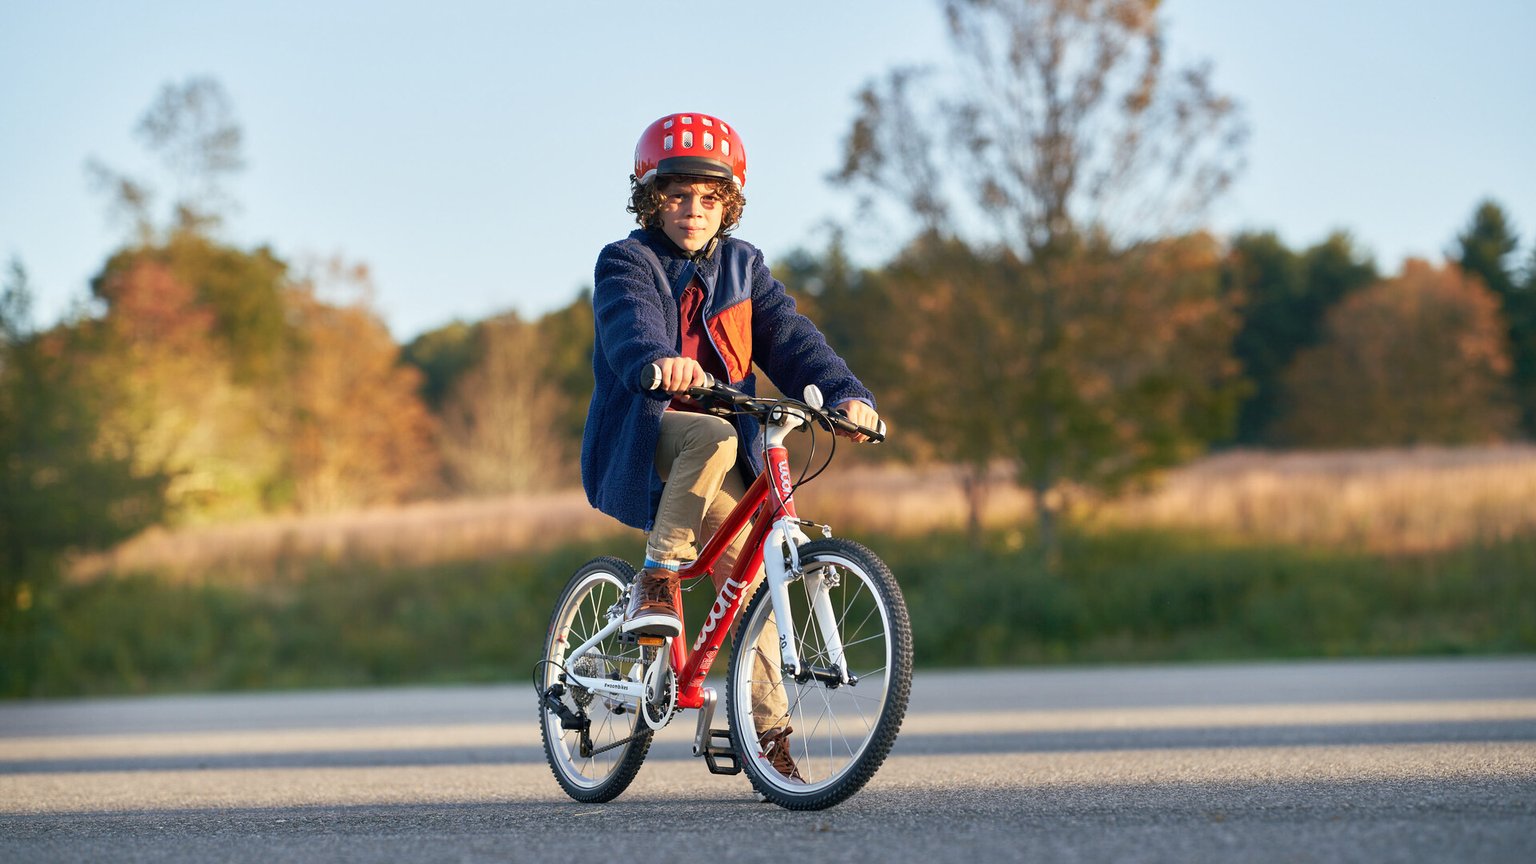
(776, 747)
(656, 588)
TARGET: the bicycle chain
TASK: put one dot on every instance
(638, 735)
(639, 715)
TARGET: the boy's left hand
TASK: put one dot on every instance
(863, 414)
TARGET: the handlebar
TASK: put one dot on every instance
(723, 398)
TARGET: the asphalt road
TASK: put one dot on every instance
(1332, 761)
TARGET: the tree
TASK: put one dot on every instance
(177, 403)
(60, 488)
(191, 127)
(855, 310)
(442, 356)
(1073, 141)
(938, 289)
(1486, 247)
(565, 338)
(1419, 359)
(358, 433)
(1282, 297)
(225, 368)
(501, 431)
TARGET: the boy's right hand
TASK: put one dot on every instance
(680, 373)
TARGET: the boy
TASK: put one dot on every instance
(681, 293)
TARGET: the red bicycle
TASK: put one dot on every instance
(841, 679)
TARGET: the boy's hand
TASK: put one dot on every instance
(680, 373)
(862, 413)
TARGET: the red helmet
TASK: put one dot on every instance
(694, 144)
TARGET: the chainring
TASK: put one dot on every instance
(657, 713)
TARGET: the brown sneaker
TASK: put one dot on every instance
(653, 605)
(775, 744)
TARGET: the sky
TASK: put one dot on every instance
(475, 154)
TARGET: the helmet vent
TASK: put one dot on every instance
(709, 141)
(666, 143)
(667, 125)
(687, 120)
(688, 139)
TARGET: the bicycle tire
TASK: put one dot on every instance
(842, 733)
(581, 611)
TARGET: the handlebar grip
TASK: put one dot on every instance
(839, 419)
(650, 378)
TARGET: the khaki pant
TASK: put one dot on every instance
(696, 455)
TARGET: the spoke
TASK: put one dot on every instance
(874, 608)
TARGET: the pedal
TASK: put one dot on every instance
(646, 641)
(713, 753)
(705, 736)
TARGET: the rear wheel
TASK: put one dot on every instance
(607, 767)
(840, 733)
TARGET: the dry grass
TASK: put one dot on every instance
(1384, 501)
(418, 534)
(1415, 500)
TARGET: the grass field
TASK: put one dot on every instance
(1380, 501)
(1238, 556)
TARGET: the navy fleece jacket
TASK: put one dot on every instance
(637, 324)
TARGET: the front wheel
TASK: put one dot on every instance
(602, 766)
(838, 734)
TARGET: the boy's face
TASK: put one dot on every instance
(690, 213)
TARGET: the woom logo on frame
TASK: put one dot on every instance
(728, 594)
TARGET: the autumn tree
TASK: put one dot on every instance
(357, 432)
(61, 487)
(228, 370)
(1063, 138)
(177, 404)
(1486, 249)
(1419, 359)
(940, 288)
(500, 426)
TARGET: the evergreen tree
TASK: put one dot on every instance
(1284, 297)
(1486, 248)
(1266, 277)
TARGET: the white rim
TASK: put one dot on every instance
(590, 618)
(826, 720)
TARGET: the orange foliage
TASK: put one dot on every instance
(176, 408)
(360, 435)
(1420, 359)
(153, 310)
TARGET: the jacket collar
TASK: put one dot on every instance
(675, 259)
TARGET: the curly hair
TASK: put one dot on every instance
(646, 200)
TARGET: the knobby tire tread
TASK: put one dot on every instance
(889, 725)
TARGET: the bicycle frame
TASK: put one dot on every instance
(770, 508)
